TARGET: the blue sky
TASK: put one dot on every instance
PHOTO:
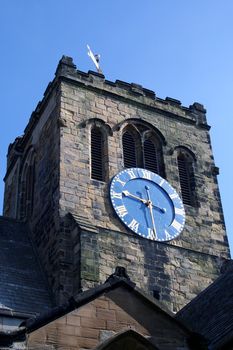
(178, 48)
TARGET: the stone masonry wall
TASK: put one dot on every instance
(44, 221)
(204, 230)
(178, 270)
(101, 319)
(174, 274)
(84, 328)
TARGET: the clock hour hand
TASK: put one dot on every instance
(128, 194)
(149, 202)
(162, 210)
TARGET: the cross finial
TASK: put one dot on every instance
(95, 58)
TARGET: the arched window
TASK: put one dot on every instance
(153, 156)
(185, 163)
(97, 154)
(27, 187)
(142, 147)
(129, 150)
(98, 132)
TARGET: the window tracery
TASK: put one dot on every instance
(142, 147)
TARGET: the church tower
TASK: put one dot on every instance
(84, 132)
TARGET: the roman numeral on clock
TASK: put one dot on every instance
(146, 174)
(161, 182)
(151, 233)
(179, 211)
(116, 195)
(173, 195)
(121, 182)
(134, 225)
(176, 225)
(121, 210)
(131, 174)
(168, 237)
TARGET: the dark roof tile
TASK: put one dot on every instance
(23, 287)
(210, 313)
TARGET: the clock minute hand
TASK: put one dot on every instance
(128, 194)
(152, 219)
(150, 206)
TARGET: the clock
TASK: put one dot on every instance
(147, 204)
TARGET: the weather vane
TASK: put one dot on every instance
(95, 58)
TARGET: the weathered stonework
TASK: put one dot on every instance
(205, 221)
(175, 274)
(82, 249)
(101, 319)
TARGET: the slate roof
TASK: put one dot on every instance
(211, 312)
(119, 279)
(23, 288)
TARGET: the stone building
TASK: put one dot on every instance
(62, 238)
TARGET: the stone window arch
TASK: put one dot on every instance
(99, 132)
(131, 145)
(97, 154)
(142, 147)
(153, 153)
(185, 162)
(27, 186)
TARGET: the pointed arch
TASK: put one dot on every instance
(141, 125)
(97, 163)
(131, 146)
(143, 146)
(153, 153)
(185, 163)
(129, 150)
(27, 181)
(151, 161)
(99, 132)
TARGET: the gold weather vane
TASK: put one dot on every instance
(95, 58)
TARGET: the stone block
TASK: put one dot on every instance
(94, 323)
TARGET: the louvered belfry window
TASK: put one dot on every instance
(97, 156)
(142, 148)
(129, 150)
(186, 176)
(151, 156)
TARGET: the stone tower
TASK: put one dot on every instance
(86, 130)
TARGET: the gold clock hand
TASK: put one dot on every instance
(152, 219)
(163, 210)
(150, 206)
(128, 194)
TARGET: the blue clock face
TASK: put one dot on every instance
(147, 204)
